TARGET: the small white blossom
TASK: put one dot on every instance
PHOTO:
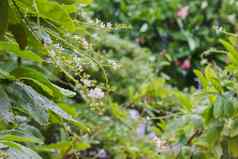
(57, 46)
(96, 93)
(77, 62)
(204, 5)
(218, 29)
(95, 35)
(58, 61)
(114, 65)
(87, 82)
(97, 21)
(85, 43)
(102, 25)
(109, 25)
(134, 114)
(52, 53)
(102, 153)
(46, 39)
(160, 144)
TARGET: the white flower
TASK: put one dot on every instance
(160, 144)
(47, 40)
(85, 43)
(97, 21)
(58, 47)
(218, 29)
(114, 65)
(109, 25)
(96, 93)
(204, 5)
(134, 114)
(102, 153)
(52, 53)
(87, 82)
(102, 25)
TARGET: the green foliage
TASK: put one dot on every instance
(69, 89)
(180, 29)
(202, 121)
(54, 96)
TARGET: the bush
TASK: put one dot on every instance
(180, 29)
(70, 90)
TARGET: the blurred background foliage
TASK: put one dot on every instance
(123, 79)
(180, 29)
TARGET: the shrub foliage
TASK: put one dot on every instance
(69, 90)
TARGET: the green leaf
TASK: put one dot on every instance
(228, 108)
(3, 17)
(81, 146)
(25, 97)
(55, 12)
(51, 11)
(223, 107)
(233, 53)
(36, 104)
(218, 110)
(21, 139)
(75, 1)
(13, 48)
(6, 75)
(84, 1)
(233, 128)
(38, 78)
(184, 101)
(213, 133)
(20, 34)
(202, 79)
(65, 92)
(232, 146)
(27, 73)
(210, 73)
(5, 106)
(18, 151)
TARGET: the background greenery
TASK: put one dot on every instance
(123, 79)
(178, 28)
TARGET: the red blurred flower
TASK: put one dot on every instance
(182, 12)
(185, 64)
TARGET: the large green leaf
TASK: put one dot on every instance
(218, 110)
(5, 106)
(49, 10)
(233, 53)
(223, 107)
(36, 104)
(20, 34)
(6, 75)
(3, 17)
(22, 96)
(212, 135)
(18, 151)
(20, 139)
(232, 146)
(13, 48)
(38, 78)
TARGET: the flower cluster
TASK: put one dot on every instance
(96, 93)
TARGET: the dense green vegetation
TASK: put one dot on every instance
(109, 79)
(181, 29)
